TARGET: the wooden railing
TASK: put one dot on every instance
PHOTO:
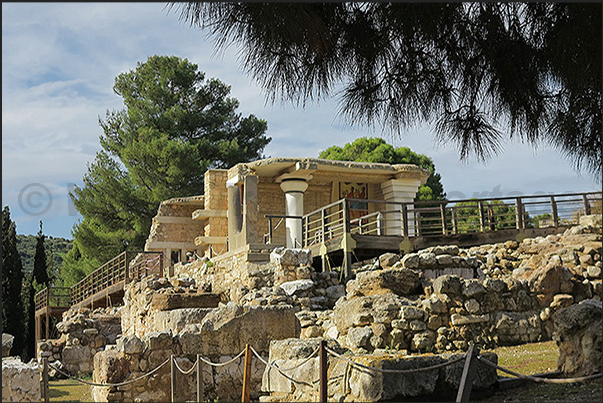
(123, 268)
(440, 217)
(53, 297)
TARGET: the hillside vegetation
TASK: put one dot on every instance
(55, 247)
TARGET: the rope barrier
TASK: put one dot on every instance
(395, 371)
(186, 372)
(539, 379)
(221, 364)
(110, 384)
(270, 365)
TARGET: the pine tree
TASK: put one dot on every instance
(12, 283)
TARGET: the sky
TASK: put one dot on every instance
(59, 62)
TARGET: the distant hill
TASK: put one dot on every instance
(26, 245)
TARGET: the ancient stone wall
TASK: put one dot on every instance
(164, 230)
(20, 381)
(83, 334)
(294, 375)
(219, 336)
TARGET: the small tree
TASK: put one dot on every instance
(375, 149)
(12, 282)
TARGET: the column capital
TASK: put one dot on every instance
(294, 185)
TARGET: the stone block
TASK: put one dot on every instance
(169, 301)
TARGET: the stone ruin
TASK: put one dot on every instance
(20, 381)
(398, 310)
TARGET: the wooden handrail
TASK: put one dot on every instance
(111, 273)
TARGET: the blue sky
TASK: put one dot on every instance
(59, 62)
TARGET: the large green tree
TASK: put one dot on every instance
(12, 283)
(175, 125)
(477, 71)
(375, 149)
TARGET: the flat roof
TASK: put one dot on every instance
(282, 165)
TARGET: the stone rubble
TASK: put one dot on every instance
(433, 301)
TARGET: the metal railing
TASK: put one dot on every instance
(439, 217)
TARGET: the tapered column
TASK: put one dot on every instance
(294, 189)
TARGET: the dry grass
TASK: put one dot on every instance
(68, 390)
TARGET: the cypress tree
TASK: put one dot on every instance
(40, 271)
(12, 283)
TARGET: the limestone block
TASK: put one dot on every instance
(20, 381)
(427, 260)
(579, 334)
(110, 366)
(168, 301)
(296, 286)
(460, 320)
(472, 306)
(177, 319)
(561, 301)
(291, 257)
(447, 284)
(359, 337)
(444, 260)
(387, 260)
(228, 328)
(76, 356)
(7, 344)
(472, 288)
(436, 303)
(403, 282)
(130, 344)
(411, 261)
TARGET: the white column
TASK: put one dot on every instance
(403, 191)
(294, 205)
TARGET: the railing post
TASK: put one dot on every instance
(304, 231)
(586, 205)
(246, 374)
(45, 391)
(404, 221)
(482, 219)
(127, 269)
(455, 222)
(379, 223)
(323, 224)
(323, 368)
(468, 375)
(554, 212)
(519, 213)
(443, 214)
(172, 379)
(199, 379)
(347, 253)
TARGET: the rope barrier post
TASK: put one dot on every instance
(173, 378)
(468, 374)
(323, 365)
(199, 379)
(247, 374)
(45, 391)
